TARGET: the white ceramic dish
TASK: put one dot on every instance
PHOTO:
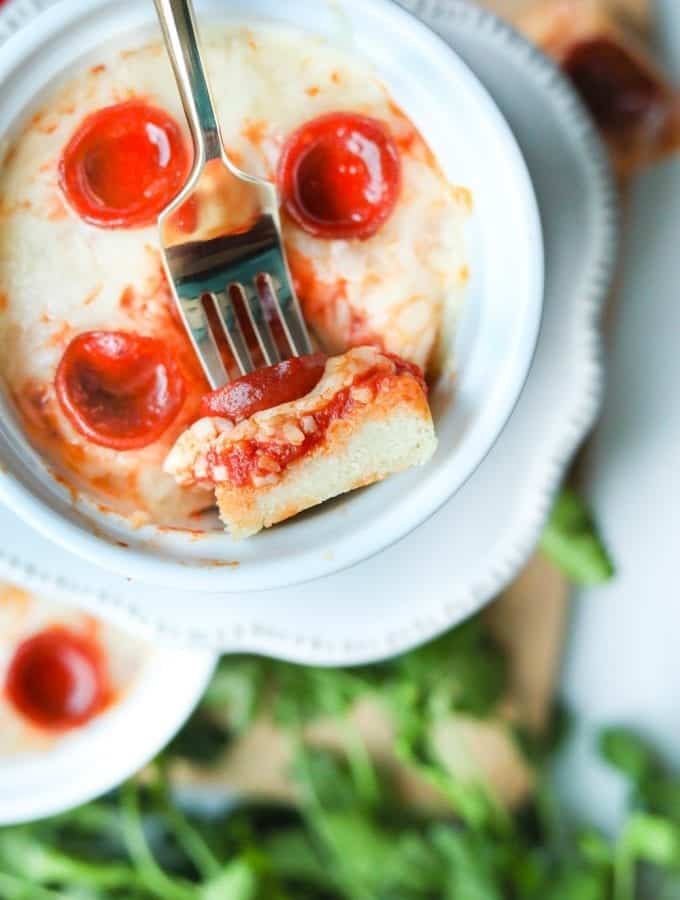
(96, 758)
(496, 339)
(471, 548)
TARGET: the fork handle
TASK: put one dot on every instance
(178, 23)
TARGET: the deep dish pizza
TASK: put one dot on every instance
(94, 359)
(60, 669)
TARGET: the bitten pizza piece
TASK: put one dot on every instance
(367, 418)
(634, 105)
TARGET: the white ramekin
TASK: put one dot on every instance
(99, 756)
(495, 343)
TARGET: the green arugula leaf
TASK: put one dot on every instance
(652, 839)
(201, 741)
(470, 862)
(581, 884)
(571, 540)
(236, 882)
(629, 753)
(237, 691)
(294, 855)
(305, 694)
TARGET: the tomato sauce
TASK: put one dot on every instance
(246, 458)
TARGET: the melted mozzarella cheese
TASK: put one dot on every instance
(60, 276)
(23, 615)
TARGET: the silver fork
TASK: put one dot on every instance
(230, 276)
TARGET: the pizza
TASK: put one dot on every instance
(366, 418)
(95, 361)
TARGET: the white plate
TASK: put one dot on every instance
(96, 758)
(470, 549)
(495, 342)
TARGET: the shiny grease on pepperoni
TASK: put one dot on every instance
(58, 679)
(119, 390)
(265, 388)
(340, 176)
(124, 164)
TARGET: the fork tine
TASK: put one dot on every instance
(196, 323)
(228, 316)
(291, 312)
(259, 323)
(284, 302)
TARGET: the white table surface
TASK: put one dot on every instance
(623, 662)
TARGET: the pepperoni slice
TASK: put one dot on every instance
(119, 390)
(340, 176)
(618, 91)
(124, 165)
(265, 388)
(58, 679)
